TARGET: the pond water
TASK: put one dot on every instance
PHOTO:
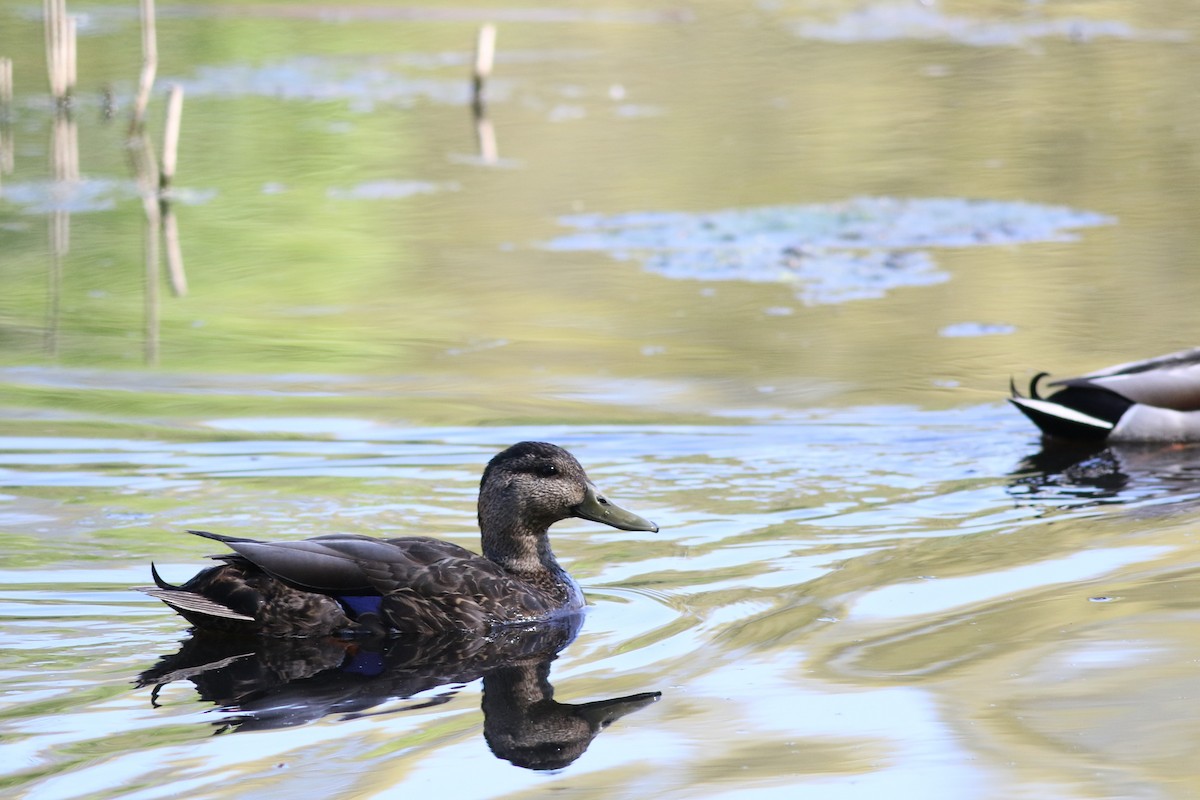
(766, 269)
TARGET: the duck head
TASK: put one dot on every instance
(529, 487)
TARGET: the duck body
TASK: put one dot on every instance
(1155, 400)
(348, 583)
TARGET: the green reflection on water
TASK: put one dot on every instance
(286, 277)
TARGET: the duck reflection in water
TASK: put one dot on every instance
(1095, 472)
(274, 683)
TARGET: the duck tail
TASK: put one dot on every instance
(1033, 387)
(193, 606)
(1075, 412)
(1060, 421)
(220, 537)
(159, 582)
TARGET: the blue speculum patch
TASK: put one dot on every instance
(830, 253)
(359, 604)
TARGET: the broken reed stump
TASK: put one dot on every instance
(171, 137)
(485, 55)
(481, 70)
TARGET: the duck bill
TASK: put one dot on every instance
(602, 713)
(597, 508)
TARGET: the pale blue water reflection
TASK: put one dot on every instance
(782, 540)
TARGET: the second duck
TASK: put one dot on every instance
(1156, 400)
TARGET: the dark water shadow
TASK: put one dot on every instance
(268, 683)
(1083, 474)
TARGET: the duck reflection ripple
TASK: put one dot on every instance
(270, 683)
(1083, 474)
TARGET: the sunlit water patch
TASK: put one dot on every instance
(858, 249)
(930, 596)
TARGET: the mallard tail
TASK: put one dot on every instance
(1071, 413)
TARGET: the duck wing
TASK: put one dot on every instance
(345, 562)
(426, 585)
(1171, 381)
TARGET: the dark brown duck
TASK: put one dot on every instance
(347, 583)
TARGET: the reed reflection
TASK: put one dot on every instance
(60, 30)
(154, 186)
(64, 164)
(268, 683)
(7, 147)
(69, 191)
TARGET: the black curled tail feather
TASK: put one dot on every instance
(1033, 385)
(158, 580)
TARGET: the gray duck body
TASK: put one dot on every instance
(348, 583)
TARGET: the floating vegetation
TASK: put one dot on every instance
(77, 196)
(86, 195)
(967, 329)
(908, 20)
(389, 190)
(402, 80)
(857, 249)
(363, 83)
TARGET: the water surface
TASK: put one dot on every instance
(871, 578)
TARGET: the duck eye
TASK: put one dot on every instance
(546, 470)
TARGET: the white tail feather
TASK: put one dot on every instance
(1062, 412)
